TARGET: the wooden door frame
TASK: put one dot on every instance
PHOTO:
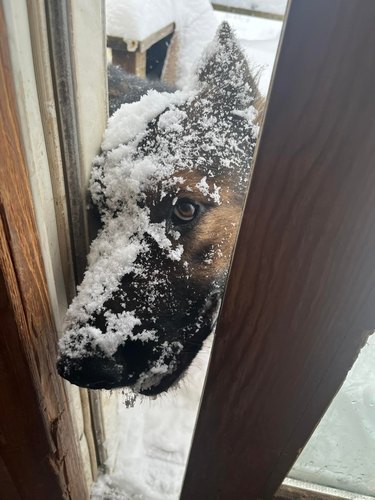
(38, 450)
(299, 303)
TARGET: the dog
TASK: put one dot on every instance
(169, 185)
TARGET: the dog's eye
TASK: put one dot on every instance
(185, 210)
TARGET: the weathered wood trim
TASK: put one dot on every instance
(300, 298)
(64, 20)
(39, 456)
(97, 422)
(63, 77)
(247, 12)
(86, 22)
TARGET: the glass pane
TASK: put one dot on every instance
(185, 109)
(341, 452)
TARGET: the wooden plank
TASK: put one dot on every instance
(58, 22)
(156, 37)
(120, 44)
(114, 42)
(242, 11)
(301, 293)
(132, 54)
(37, 444)
(132, 62)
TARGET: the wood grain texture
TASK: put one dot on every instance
(300, 298)
(39, 457)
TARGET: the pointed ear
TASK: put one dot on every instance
(224, 73)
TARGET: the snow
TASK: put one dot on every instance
(132, 119)
(203, 186)
(196, 23)
(135, 20)
(340, 453)
(196, 27)
(150, 441)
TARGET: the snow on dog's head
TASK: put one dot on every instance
(169, 186)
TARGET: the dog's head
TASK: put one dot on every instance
(169, 186)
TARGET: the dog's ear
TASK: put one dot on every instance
(224, 75)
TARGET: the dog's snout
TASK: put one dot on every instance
(94, 372)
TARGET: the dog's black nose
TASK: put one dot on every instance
(94, 372)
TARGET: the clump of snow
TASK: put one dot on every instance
(160, 369)
(204, 188)
(131, 120)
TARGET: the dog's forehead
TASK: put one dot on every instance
(187, 137)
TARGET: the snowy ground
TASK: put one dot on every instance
(149, 442)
